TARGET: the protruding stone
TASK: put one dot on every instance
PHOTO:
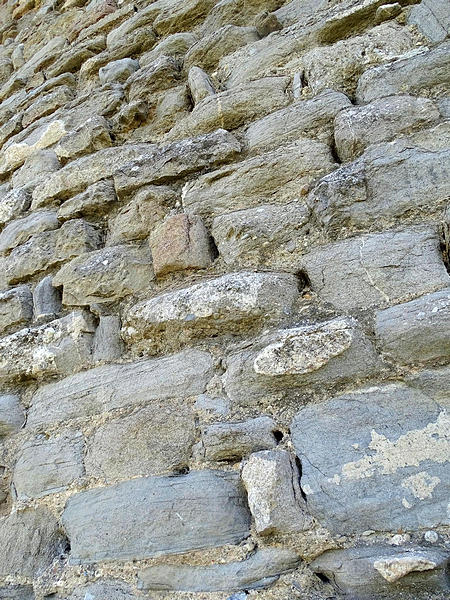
(17, 592)
(181, 242)
(200, 84)
(107, 342)
(266, 23)
(160, 75)
(154, 516)
(13, 203)
(95, 200)
(19, 231)
(274, 495)
(38, 167)
(90, 137)
(16, 307)
(118, 70)
(11, 414)
(46, 299)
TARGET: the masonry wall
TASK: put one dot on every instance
(224, 299)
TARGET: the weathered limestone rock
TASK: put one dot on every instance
(306, 117)
(236, 12)
(95, 200)
(159, 75)
(107, 342)
(359, 571)
(118, 70)
(29, 541)
(276, 176)
(181, 17)
(58, 348)
(176, 45)
(19, 231)
(321, 354)
(233, 441)
(147, 517)
(267, 236)
(258, 571)
(135, 33)
(425, 71)
(16, 307)
(359, 126)
(383, 464)
(200, 84)
(434, 382)
(114, 386)
(377, 269)
(48, 249)
(11, 414)
(225, 304)
(266, 23)
(207, 52)
(17, 592)
(100, 590)
(46, 466)
(153, 440)
(432, 19)
(47, 104)
(274, 496)
(416, 331)
(72, 59)
(36, 169)
(176, 160)
(105, 275)
(137, 219)
(233, 108)
(13, 203)
(180, 242)
(90, 137)
(46, 300)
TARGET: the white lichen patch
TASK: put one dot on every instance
(393, 569)
(421, 485)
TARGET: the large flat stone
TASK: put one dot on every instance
(113, 386)
(374, 459)
(154, 516)
(226, 304)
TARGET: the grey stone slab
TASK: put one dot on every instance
(91, 136)
(374, 459)
(432, 18)
(17, 592)
(107, 342)
(416, 331)
(46, 299)
(259, 571)
(113, 386)
(16, 307)
(155, 516)
(12, 416)
(433, 382)
(13, 203)
(20, 230)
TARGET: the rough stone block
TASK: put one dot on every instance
(382, 466)
(416, 331)
(107, 342)
(16, 307)
(102, 590)
(118, 70)
(226, 304)
(377, 269)
(48, 465)
(13, 203)
(176, 45)
(176, 16)
(274, 496)
(156, 515)
(95, 200)
(90, 137)
(17, 592)
(181, 242)
(267, 23)
(162, 74)
(11, 414)
(57, 348)
(259, 571)
(19, 231)
(153, 440)
(114, 386)
(37, 168)
(432, 19)
(46, 300)
(47, 104)
(200, 84)
(105, 275)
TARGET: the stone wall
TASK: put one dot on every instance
(224, 299)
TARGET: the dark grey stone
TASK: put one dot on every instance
(46, 299)
(11, 414)
(17, 592)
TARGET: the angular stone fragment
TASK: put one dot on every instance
(258, 571)
(114, 386)
(200, 84)
(13, 203)
(19, 231)
(38, 167)
(176, 16)
(359, 126)
(276, 176)
(95, 200)
(137, 219)
(47, 104)
(46, 300)
(48, 465)
(274, 497)
(416, 331)
(237, 12)
(226, 304)
(104, 275)
(160, 75)
(207, 52)
(377, 269)
(358, 571)
(107, 342)
(57, 348)
(180, 242)
(47, 249)
(321, 354)
(29, 541)
(432, 19)
(11, 414)
(90, 137)
(118, 70)
(149, 517)
(176, 160)
(306, 117)
(16, 307)
(133, 31)
(234, 107)
(175, 45)
(233, 441)
(383, 463)
(425, 71)
(266, 23)
(154, 439)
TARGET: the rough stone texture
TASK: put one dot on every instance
(11, 414)
(153, 440)
(107, 342)
(432, 19)
(383, 466)
(118, 70)
(200, 84)
(256, 572)
(46, 299)
(274, 496)
(19, 231)
(13, 203)
(210, 501)
(46, 466)
(113, 590)
(16, 307)
(113, 386)
(95, 200)
(218, 305)
(17, 592)
(93, 135)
